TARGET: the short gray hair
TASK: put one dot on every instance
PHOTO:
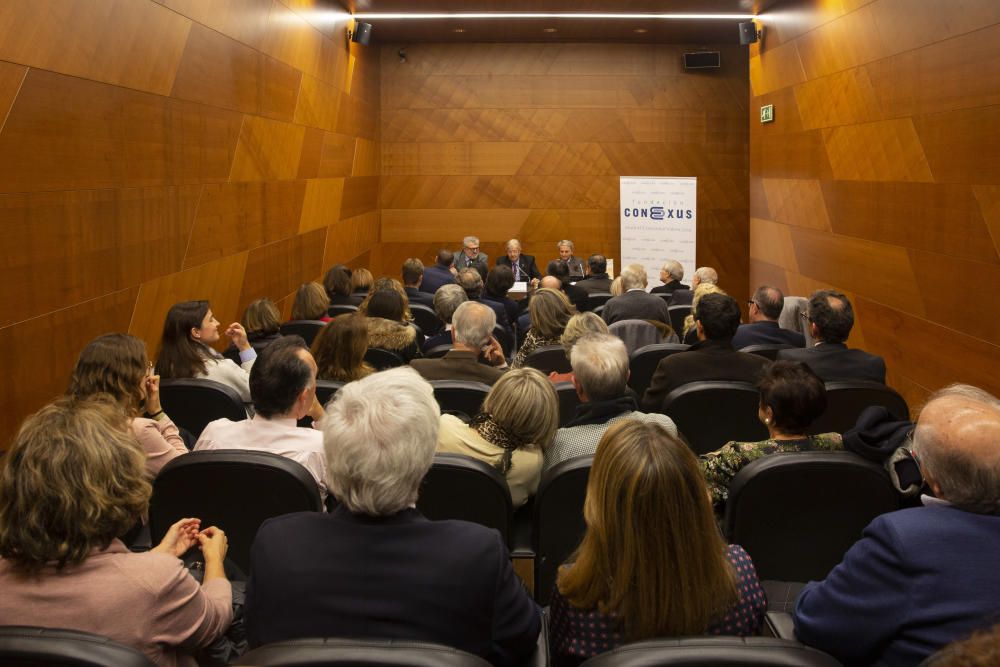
(473, 324)
(470, 239)
(379, 435)
(600, 364)
(707, 274)
(566, 242)
(634, 277)
(447, 299)
(674, 268)
(968, 481)
(512, 242)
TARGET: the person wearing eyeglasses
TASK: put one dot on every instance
(470, 257)
(765, 309)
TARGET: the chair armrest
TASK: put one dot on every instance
(780, 624)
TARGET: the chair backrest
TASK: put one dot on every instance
(461, 396)
(234, 489)
(352, 652)
(636, 334)
(548, 358)
(714, 652)
(767, 350)
(426, 319)
(28, 646)
(568, 400)
(797, 513)
(383, 359)
(596, 299)
(341, 309)
(677, 315)
(438, 351)
(846, 400)
(710, 414)
(194, 402)
(506, 340)
(326, 390)
(461, 487)
(790, 319)
(643, 362)
(558, 522)
(308, 329)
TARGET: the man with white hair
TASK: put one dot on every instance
(522, 265)
(600, 377)
(703, 274)
(636, 303)
(671, 275)
(574, 265)
(922, 577)
(472, 335)
(375, 567)
(470, 257)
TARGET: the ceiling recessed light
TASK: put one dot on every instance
(458, 29)
(550, 30)
(640, 30)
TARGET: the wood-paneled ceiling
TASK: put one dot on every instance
(694, 32)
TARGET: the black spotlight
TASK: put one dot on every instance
(748, 33)
(362, 33)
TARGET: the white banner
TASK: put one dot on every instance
(659, 219)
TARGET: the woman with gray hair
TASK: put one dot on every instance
(375, 567)
(518, 421)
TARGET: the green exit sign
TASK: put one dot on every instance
(767, 113)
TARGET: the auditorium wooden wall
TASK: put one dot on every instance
(152, 152)
(881, 176)
(528, 141)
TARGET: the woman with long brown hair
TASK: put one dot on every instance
(339, 349)
(652, 563)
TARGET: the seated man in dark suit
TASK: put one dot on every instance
(711, 358)
(375, 567)
(635, 303)
(763, 329)
(472, 334)
(522, 265)
(922, 577)
(439, 274)
(413, 275)
(684, 297)
(573, 264)
(670, 275)
(446, 301)
(576, 295)
(469, 256)
(831, 319)
(472, 283)
(597, 279)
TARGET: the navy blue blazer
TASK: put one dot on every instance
(395, 577)
(766, 333)
(435, 277)
(918, 579)
(835, 362)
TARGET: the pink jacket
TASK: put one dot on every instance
(160, 440)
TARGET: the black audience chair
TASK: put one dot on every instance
(341, 309)
(846, 400)
(326, 390)
(643, 362)
(426, 319)
(714, 652)
(548, 358)
(194, 402)
(768, 351)
(437, 351)
(797, 513)
(26, 646)
(383, 359)
(558, 526)
(234, 489)
(506, 340)
(710, 414)
(357, 652)
(461, 487)
(568, 400)
(460, 396)
(677, 315)
(595, 299)
(308, 329)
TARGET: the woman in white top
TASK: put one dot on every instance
(188, 332)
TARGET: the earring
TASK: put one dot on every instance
(767, 420)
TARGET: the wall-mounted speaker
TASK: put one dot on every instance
(702, 60)
(748, 33)
(362, 33)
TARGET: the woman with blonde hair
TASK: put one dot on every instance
(339, 349)
(311, 303)
(361, 283)
(690, 336)
(578, 326)
(73, 480)
(115, 366)
(550, 311)
(652, 563)
(519, 418)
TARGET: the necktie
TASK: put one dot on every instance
(517, 271)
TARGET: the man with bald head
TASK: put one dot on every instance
(765, 308)
(703, 274)
(923, 577)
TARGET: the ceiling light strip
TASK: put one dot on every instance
(404, 16)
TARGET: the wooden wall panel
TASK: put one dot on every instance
(157, 151)
(876, 182)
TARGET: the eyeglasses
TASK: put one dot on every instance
(476, 249)
(750, 302)
(805, 316)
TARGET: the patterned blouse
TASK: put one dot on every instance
(722, 465)
(579, 634)
(532, 341)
